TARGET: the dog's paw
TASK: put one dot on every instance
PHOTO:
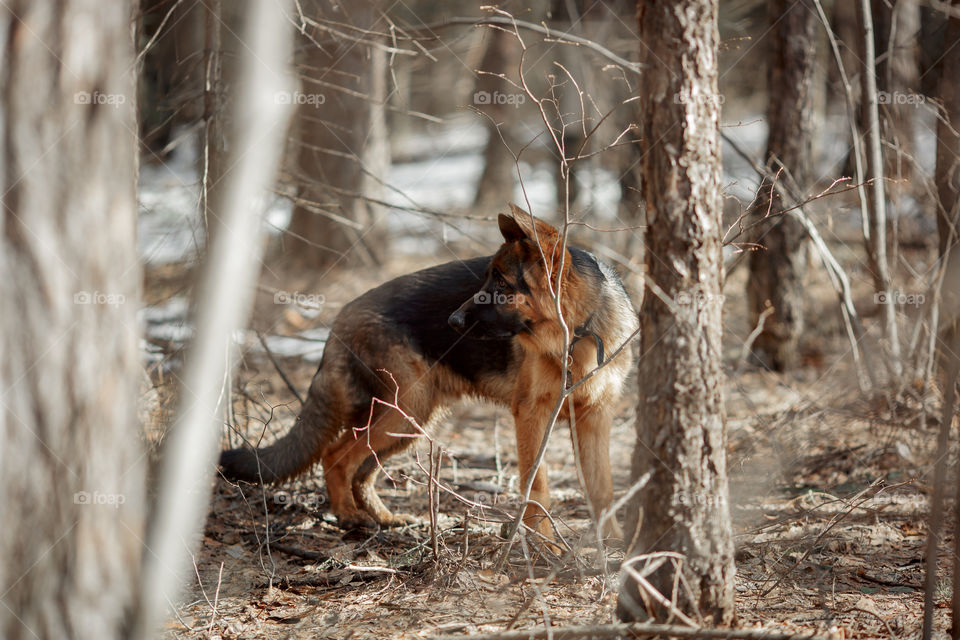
(357, 520)
(391, 520)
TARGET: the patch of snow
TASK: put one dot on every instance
(167, 322)
(739, 178)
(307, 345)
(448, 180)
(458, 134)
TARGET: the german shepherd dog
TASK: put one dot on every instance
(480, 328)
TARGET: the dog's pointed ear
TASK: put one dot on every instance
(534, 228)
(511, 231)
(536, 231)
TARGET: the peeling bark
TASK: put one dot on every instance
(777, 269)
(681, 433)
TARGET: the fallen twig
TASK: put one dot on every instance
(646, 588)
(837, 519)
(306, 554)
(635, 630)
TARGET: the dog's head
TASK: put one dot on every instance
(516, 293)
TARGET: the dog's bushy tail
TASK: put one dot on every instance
(289, 456)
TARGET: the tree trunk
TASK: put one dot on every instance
(212, 140)
(71, 483)
(341, 138)
(947, 179)
(501, 57)
(876, 212)
(948, 227)
(567, 111)
(777, 270)
(948, 140)
(173, 71)
(681, 433)
(898, 77)
(896, 37)
(223, 294)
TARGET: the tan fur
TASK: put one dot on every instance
(350, 440)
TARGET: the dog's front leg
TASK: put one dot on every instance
(591, 437)
(531, 410)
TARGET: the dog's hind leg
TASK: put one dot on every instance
(352, 463)
(340, 462)
(364, 486)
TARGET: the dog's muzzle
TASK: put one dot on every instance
(458, 320)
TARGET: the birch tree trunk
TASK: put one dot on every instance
(681, 433)
(223, 294)
(71, 483)
(876, 241)
(777, 270)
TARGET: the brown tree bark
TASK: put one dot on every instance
(947, 177)
(896, 26)
(71, 484)
(948, 139)
(568, 15)
(777, 269)
(681, 432)
(213, 144)
(501, 57)
(341, 143)
(172, 73)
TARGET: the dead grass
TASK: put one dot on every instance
(830, 492)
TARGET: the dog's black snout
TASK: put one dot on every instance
(457, 320)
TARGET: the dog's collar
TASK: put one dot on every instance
(583, 331)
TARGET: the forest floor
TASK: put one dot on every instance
(830, 495)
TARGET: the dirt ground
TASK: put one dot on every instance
(830, 492)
